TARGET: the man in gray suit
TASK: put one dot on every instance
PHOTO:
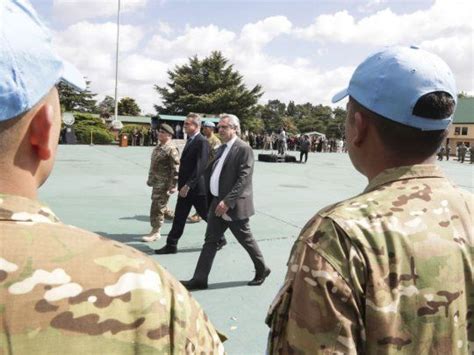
(231, 203)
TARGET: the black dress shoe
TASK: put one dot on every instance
(167, 249)
(259, 279)
(193, 284)
(221, 243)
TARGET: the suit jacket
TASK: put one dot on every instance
(193, 163)
(235, 181)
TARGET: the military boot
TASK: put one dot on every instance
(153, 236)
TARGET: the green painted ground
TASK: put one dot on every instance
(102, 189)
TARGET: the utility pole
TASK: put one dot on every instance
(117, 62)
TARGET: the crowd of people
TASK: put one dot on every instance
(387, 271)
(272, 141)
(461, 151)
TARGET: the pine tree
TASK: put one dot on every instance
(209, 86)
(75, 100)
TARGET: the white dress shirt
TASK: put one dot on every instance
(216, 174)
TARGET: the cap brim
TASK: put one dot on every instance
(72, 76)
(339, 96)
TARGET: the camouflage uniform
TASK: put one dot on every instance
(64, 290)
(214, 143)
(162, 176)
(388, 271)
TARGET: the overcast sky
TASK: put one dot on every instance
(297, 50)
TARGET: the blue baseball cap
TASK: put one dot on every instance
(209, 124)
(29, 66)
(390, 83)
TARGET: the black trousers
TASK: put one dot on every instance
(305, 155)
(216, 226)
(181, 213)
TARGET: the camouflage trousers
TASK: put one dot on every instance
(159, 208)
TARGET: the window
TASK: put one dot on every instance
(463, 131)
(457, 131)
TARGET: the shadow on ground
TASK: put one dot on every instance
(133, 240)
(140, 218)
(221, 285)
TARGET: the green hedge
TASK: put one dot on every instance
(129, 128)
(85, 124)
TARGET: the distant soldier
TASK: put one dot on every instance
(390, 270)
(64, 290)
(214, 141)
(441, 153)
(448, 151)
(163, 177)
(462, 149)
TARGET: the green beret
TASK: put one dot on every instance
(167, 128)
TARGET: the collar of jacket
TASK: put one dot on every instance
(404, 173)
(22, 209)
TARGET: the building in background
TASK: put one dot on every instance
(462, 129)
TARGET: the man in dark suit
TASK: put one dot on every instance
(230, 185)
(191, 185)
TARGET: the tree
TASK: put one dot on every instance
(210, 85)
(128, 107)
(464, 95)
(75, 100)
(291, 109)
(91, 129)
(107, 106)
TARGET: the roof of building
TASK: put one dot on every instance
(146, 119)
(464, 111)
(182, 118)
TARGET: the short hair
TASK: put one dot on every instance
(9, 132)
(195, 117)
(405, 141)
(234, 120)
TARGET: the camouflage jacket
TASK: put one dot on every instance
(214, 143)
(164, 166)
(67, 291)
(388, 271)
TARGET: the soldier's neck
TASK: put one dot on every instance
(18, 184)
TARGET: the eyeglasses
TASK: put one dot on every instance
(223, 126)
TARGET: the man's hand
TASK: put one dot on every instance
(172, 190)
(221, 208)
(183, 192)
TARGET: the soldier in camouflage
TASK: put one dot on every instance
(389, 271)
(64, 290)
(208, 128)
(163, 177)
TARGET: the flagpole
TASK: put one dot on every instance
(117, 62)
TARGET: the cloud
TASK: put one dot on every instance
(195, 41)
(386, 27)
(371, 5)
(443, 28)
(75, 10)
(255, 35)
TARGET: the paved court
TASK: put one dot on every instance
(102, 189)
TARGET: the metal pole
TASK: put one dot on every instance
(117, 62)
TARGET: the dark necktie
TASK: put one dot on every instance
(188, 142)
(220, 151)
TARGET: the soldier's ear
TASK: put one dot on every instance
(40, 131)
(360, 129)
